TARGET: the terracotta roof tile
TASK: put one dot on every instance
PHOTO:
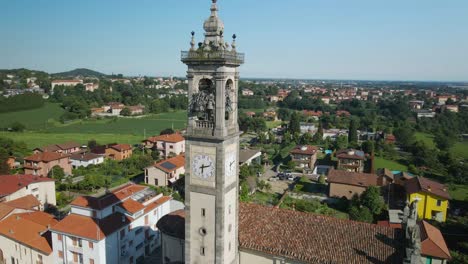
(5, 210)
(12, 183)
(432, 242)
(171, 138)
(421, 184)
(121, 147)
(85, 156)
(90, 228)
(311, 238)
(27, 228)
(172, 164)
(157, 203)
(352, 178)
(46, 157)
(131, 206)
(304, 150)
(109, 199)
(351, 154)
(25, 202)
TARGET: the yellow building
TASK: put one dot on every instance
(433, 198)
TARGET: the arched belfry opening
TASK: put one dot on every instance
(229, 93)
(203, 103)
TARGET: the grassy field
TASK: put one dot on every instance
(459, 192)
(152, 124)
(37, 139)
(273, 124)
(460, 149)
(121, 130)
(36, 119)
(389, 164)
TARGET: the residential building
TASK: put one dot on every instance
(167, 145)
(42, 163)
(85, 159)
(351, 160)
(325, 99)
(247, 92)
(425, 113)
(67, 83)
(304, 156)
(308, 128)
(11, 162)
(25, 238)
(249, 156)
(136, 110)
(119, 227)
(65, 148)
(166, 172)
(91, 87)
(433, 247)
(347, 184)
(17, 186)
(433, 198)
(118, 151)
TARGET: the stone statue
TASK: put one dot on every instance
(210, 106)
(228, 102)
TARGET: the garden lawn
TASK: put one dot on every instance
(459, 192)
(36, 139)
(428, 139)
(459, 149)
(265, 198)
(388, 164)
(34, 119)
(149, 126)
(273, 124)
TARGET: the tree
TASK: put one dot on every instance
(444, 141)
(368, 146)
(92, 144)
(18, 127)
(295, 124)
(291, 165)
(4, 167)
(155, 154)
(318, 137)
(352, 134)
(371, 199)
(57, 173)
(341, 142)
(126, 112)
(167, 131)
(361, 214)
(322, 180)
(306, 139)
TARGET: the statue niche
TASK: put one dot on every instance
(202, 104)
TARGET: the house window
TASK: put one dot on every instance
(139, 246)
(90, 244)
(156, 182)
(139, 230)
(146, 220)
(60, 254)
(439, 202)
(202, 251)
(122, 234)
(39, 259)
(203, 212)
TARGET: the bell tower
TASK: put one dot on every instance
(212, 147)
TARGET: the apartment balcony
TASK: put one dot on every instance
(207, 57)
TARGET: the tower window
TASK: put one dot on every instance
(202, 251)
(230, 207)
(203, 212)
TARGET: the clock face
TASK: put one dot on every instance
(230, 166)
(203, 166)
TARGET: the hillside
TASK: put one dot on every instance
(79, 72)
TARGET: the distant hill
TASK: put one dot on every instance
(79, 72)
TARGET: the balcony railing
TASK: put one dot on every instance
(204, 124)
(223, 56)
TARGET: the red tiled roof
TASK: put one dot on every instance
(46, 157)
(421, 184)
(304, 150)
(432, 242)
(25, 202)
(26, 228)
(121, 147)
(352, 178)
(172, 138)
(108, 199)
(349, 154)
(84, 156)
(62, 81)
(157, 203)
(177, 162)
(12, 183)
(87, 227)
(5, 210)
(312, 238)
(131, 206)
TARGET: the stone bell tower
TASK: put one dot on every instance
(212, 147)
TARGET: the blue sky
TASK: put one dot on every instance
(333, 39)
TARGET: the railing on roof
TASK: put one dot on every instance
(221, 55)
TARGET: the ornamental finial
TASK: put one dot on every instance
(192, 43)
(233, 45)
